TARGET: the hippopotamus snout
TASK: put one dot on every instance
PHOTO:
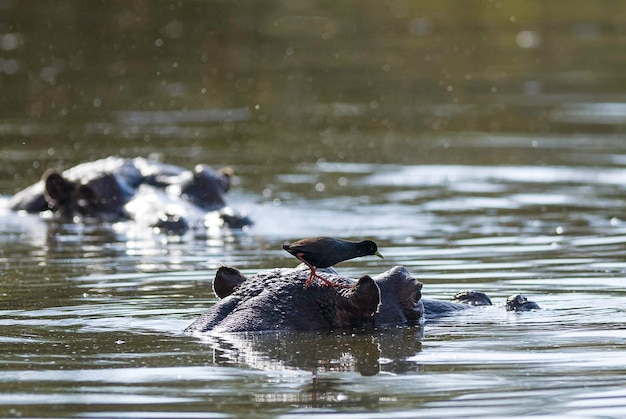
(413, 298)
(401, 297)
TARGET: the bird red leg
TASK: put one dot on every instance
(310, 279)
(325, 282)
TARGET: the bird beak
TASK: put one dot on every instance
(379, 255)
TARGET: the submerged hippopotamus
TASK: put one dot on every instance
(277, 300)
(166, 197)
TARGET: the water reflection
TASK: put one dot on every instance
(362, 352)
(591, 113)
(210, 70)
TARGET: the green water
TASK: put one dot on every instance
(480, 143)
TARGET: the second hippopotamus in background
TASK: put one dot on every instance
(168, 198)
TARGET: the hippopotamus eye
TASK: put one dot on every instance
(85, 192)
(58, 189)
(85, 199)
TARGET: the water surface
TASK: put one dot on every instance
(481, 147)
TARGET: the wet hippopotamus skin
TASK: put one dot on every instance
(168, 198)
(277, 300)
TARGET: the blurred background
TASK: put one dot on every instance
(277, 83)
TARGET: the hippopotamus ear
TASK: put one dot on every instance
(226, 280)
(227, 174)
(205, 188)
(58, 190)
(363, 300)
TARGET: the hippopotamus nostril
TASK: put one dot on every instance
(412, 305)
(520, 303)
(416, 296)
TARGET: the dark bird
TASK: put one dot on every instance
(323, 252)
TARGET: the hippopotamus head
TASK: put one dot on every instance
(103, 196)
(203, 187)
(94, 189)
(278, 300)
